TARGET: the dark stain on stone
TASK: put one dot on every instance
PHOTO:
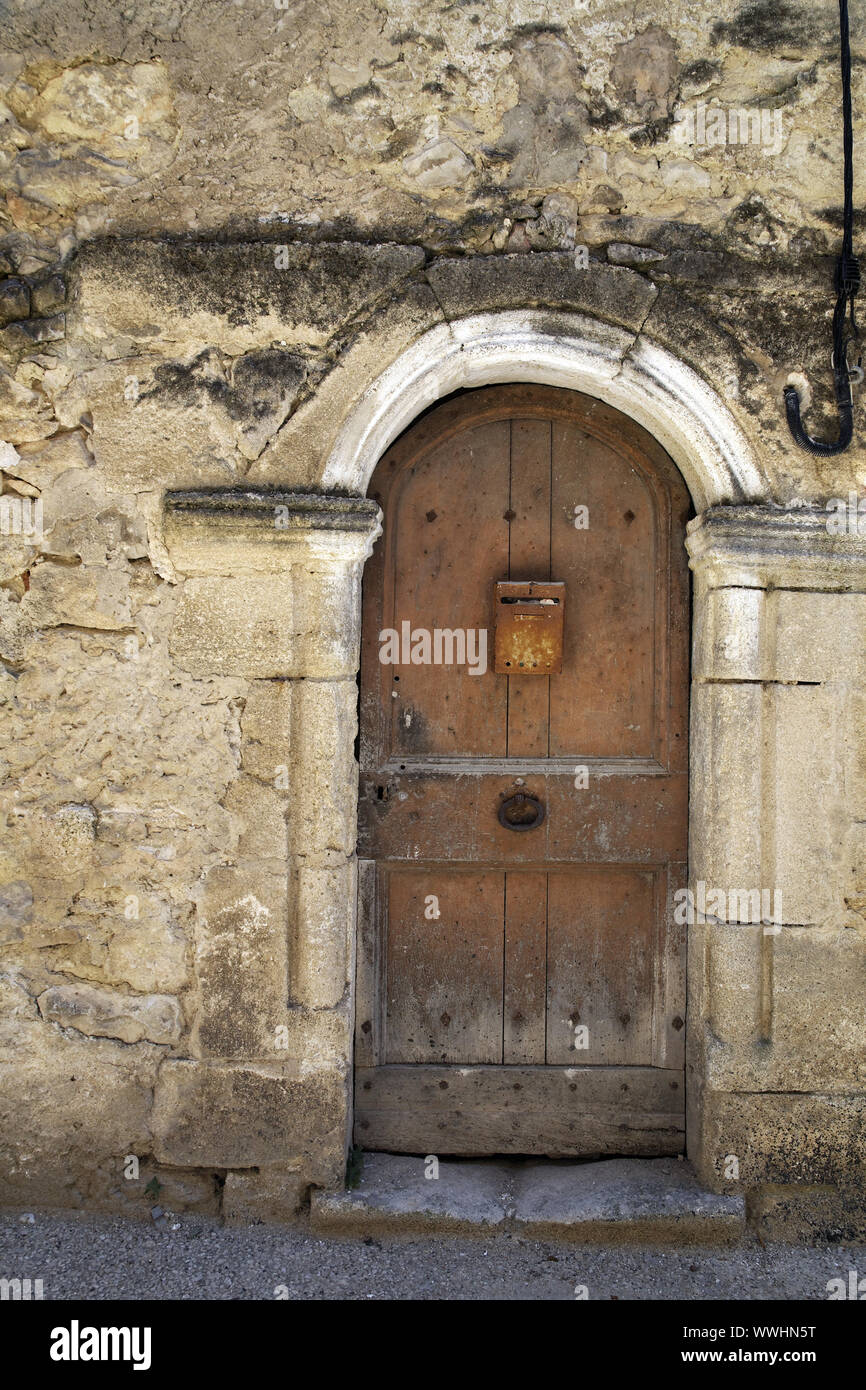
(524, 31)
(368, 89)
(774, 24)
(259, 380)
(249, 389)
(652, 133)
(703, 70)
(316, 282)
(601, 116)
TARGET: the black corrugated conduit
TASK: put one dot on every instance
(847, 283)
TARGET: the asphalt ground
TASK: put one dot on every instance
(79, 1256)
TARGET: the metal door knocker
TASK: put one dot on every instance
(521, 812)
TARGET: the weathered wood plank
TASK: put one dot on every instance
(367, 968)
(557, 1111)
(601, 967)
(443, 974)
(529, 558)
(525, 994)
(449, 538)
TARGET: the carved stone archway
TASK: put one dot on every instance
(635, 376)
(769, 806)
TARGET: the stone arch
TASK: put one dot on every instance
(633, 374)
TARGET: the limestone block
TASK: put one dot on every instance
(149, 955)
(818, 1022)
(103, 1013)
(478, 284)
(781, 635)
(243, 296)
(440, 163)
(644, 72)
(781, 1139)
(84, 521)
(26, 415)
(241, 962)
(14, 301)
(225, 1116)
(318, 1038)
(272, 1194)
(727, 635)
(49, 295)
(258, 531)
(79, 596)
(323, 772)
(810, 1214)
(299, 623)
(266, 741)
(67, 1105)
(393, 1196)
(855, 757)
(820, 637)
(808, 814)
(157, 425)
(173, 1189)
(16, 909)
(726, 791)
(236, 626)
(854, 875)
(324, 912)
(43, 462)
(544, 141)
(259, 812)
(298, 454)
(768, 808)
(785, 1009)
(263, 387)
(734, 981)
(327, 614)
(756, 546)
(94, 102)
(64, 183)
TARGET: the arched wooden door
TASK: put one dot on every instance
(520, 988)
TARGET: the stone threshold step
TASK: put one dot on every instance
(617, 1200)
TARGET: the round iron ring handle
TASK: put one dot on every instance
(521, 812)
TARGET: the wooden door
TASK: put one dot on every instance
(523, 991)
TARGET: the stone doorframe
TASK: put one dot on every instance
(272, 592)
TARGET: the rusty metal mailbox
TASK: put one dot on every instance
(528, 625)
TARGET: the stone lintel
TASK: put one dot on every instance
(230, 531)
(767, 547)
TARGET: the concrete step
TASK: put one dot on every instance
(617, 1200)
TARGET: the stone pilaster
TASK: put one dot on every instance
(777, 1044)
(271, 593)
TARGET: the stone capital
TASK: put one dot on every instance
(243, 531)
(770, 547)
(272, 581)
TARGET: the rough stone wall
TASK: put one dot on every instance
(220, 223)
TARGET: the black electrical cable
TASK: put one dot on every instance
(847, 283)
